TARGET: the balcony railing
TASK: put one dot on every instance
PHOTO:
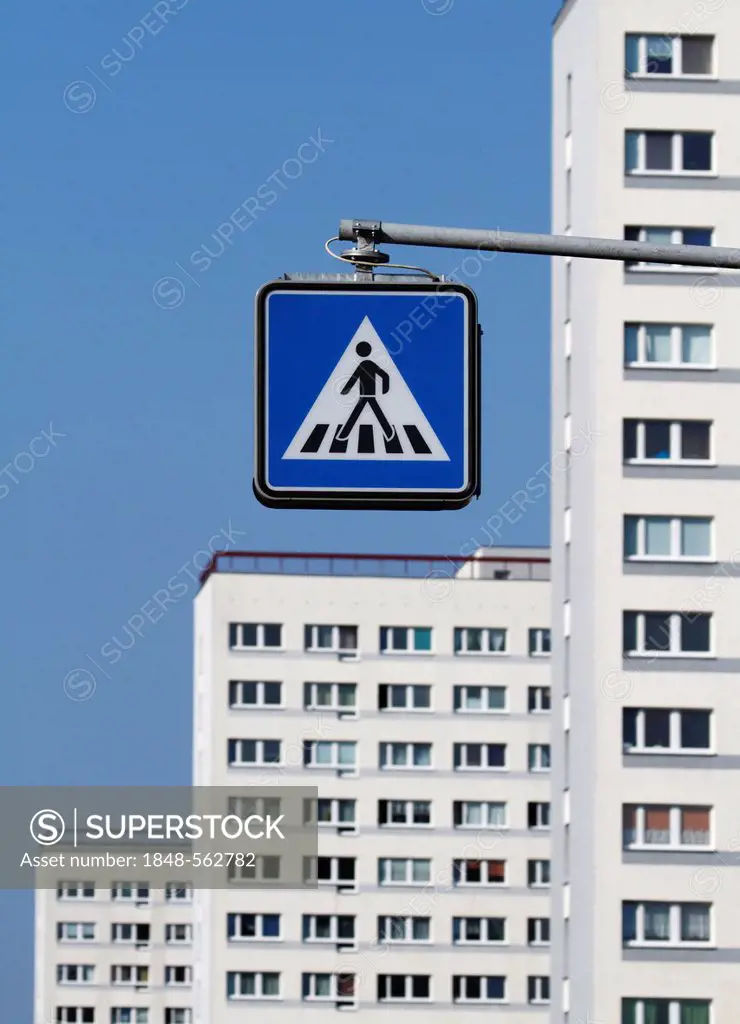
(504, 566)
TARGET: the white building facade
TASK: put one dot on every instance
(646, 882)
(419, 707)
(115, 955)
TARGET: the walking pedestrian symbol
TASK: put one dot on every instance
(365, 410)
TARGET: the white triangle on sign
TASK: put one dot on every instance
(320, 435)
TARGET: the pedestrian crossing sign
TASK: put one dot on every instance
(367, 395)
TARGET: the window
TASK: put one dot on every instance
(538, 699)
(130, 892)
(539, 641)
(178, 892)
(403, 988)
(404, 929)
(652, 825)
(480, 641)
(261, 869)
(668, 152)
(178, 934)
(538, 815)
(665, 1011)
(137, 934)
(538, 989)
(479, 699)
(655, 345)
(478, 930)
(665, 236)
(667, 538)
(246, 636)
(404, 812)
(129, 1015)
(538, 873)
(660, 730)
(405, 639)
(178, 975)
(538, 757)
(75, 974)
(403, 871)
(538, 931)
(667, 441)
(339, 871)
(330, 638)
(666, 633)
(479, 872)
(328, 812)
(666, 924)
(395, 697)
(476, 814)
(243, 806)
(245, 927)
(478, 989)
(669, 55)
(334, 928)
(76, 891)
(252, 985)
(332, 754)
(339, 988)
(340, 697)
(479, 756)
(243, 694)
(175, 1015)
(75, 931)
(251, 753)
(405, 755)
(129, 974)
(75, 1015)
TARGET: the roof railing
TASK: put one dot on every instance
(300, 563)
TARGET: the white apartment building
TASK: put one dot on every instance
(646, 718)
(416, 698)
(115, 955)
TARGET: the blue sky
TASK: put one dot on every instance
(131, 135)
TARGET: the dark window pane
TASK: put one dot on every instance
(697, 236)
(657, 439)
(694, 440)
(695, 730)
(657, 631)
(657, 727)
(630, 439)
(346, 869)
(397, 986)
(695, 632)
(232, 634)
(658, 151)
(456, 986)
(696, 56)
(629, 631)
(656, 1011)
(422, 696)
(345, 927)
(272, 693)
(272, 635)
(697, 151)
(629, 1011)
(472, 987)
(272, 751)
(632, 234)
(659, 55)
(495, 987)
(629, 727)
(496, 929)
(271, 925)
(496, 755)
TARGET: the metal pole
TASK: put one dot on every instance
(543, 245)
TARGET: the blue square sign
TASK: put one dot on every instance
(367, 395)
